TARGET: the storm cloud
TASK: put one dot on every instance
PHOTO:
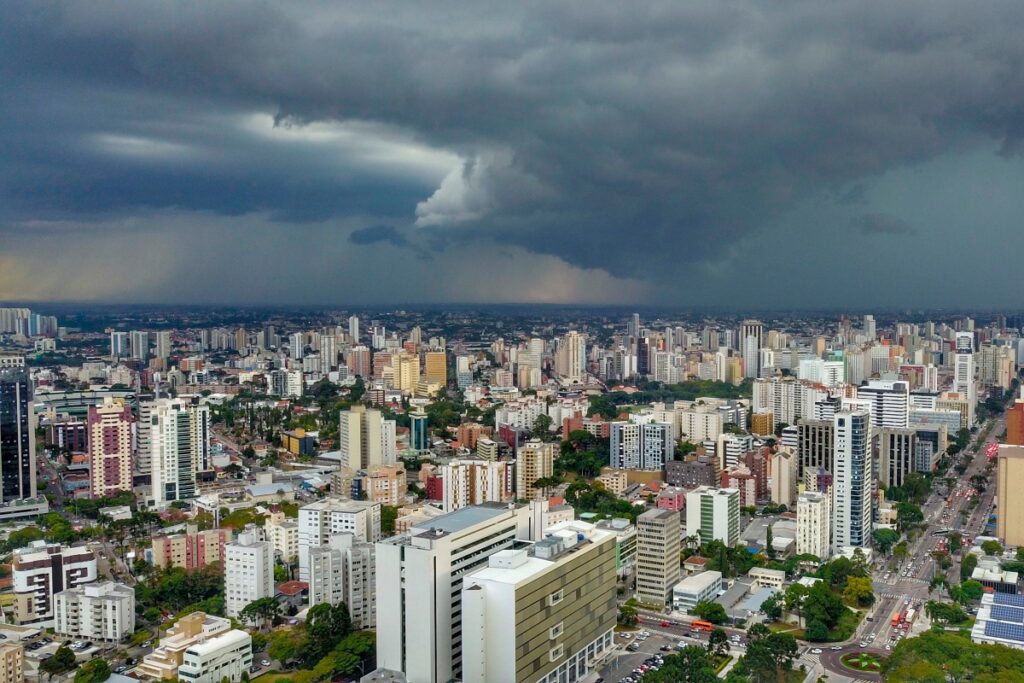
(638, 140)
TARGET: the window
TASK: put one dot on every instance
(555, 654)
(555, 631)
(555, 598)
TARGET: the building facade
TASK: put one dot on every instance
(97, 611)
(42, 570)
(248, 572)
(657, 555)
(110, 448)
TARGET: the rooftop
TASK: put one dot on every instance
(462, 519)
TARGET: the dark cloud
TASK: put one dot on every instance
(881, 224)
(378, 233)
(633, 138)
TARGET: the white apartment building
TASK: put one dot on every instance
(657, 555)
(43, 569)
(226, 656)
(641, 443)
(320, 520)
(163, 662)
(853, 480)
(248, 572)
(890, 403)
(420, 577)
(536, 595)
(697, 425)
(814, 524)
(343, 571)
(282, 532)
(180, 447)
(730, 448)
(473, 481)
(964, 382)
(713, 514)
(96, 611)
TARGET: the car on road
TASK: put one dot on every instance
(836, 647)
(264, 662)
(632, 647)
(816, 651)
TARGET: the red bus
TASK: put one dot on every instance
(897, 617)
(702, 625)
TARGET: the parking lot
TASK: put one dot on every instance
(636, 650)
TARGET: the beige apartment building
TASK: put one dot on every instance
(535, 460)
(657, 555)
(1009, 484)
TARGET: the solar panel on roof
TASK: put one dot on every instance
(1008, 599)
(1005, 631)
(1007, 613)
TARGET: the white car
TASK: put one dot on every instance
(816, 651)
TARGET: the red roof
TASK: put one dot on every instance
(292, 588)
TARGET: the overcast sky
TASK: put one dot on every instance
(733, 153)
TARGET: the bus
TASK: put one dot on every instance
(897, 617)
(909, 618)
(701, 625)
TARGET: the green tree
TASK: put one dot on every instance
(691, 665)
(62, 660)
(769, 656)
(793, 599)
(771, 608)
(885, 539)
(388, 515)
(261, 611)
(858, 591)
(971, 591)
(823, 605)
(956, 541)
(992, 548)
(710, 611)
(816, 631)
(628, 615)
(718, 642)
(94, 671)
(542, 427)
(907, 515)
(967, 566)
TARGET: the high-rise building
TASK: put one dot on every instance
(896, 455)
(534, 460)
(571, 357)
(139, 340)
(420, 575)
(180, 443)
(853, 480)
(641, 443)
(320, 520)
(435, 367)
(474, 481)
(963, 372)
(17, 437)
(365, 438)
(248, 572)
(358, 361)
(713, 514)
(783, 477)
(816, 446)
(96, 611)
(536, 596)
(282, 532)
(42, 569)
(110, 448)
(751, 341)
(296, 345)
(343, 571)
(890, 403)
(118, 344)
(12, 663)
(1015, 424)
(1010, 507)
(353, 328)
(193, 549)
(657, 555)
(419, 431)
(813, 524)
(869, 327)
(163, 344)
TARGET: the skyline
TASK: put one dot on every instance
(801, 157)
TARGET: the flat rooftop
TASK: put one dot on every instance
(463, 518)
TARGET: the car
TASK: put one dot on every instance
(624, 634)
(888, 646)
(665, 624)
(632, 647)
(264, 662)
(665, 648)
(862, 644)
(121, 669)
(836, 647)
(681, 644)
(816, 651)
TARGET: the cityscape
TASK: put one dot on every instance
(510, 493)
(511, 342)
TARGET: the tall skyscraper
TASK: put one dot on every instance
(534, 460)
(17, 437)
(420, 576)
(963, 372)
(853, 481)
(419, 432)
(296, 345)
(353, 328)
(641, 443)
(358, 362)
(657, 564)
(815, 445)
(140, 344)
(751, 341)
(163, 344)
(248, 572)
(365, 438)
(890, 403)
(180, 446)
(110, 448)
(119, 344)
(869, 327)
(813, 524)
(571, 356)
